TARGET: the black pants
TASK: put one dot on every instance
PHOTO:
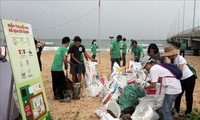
(182, 52)
(58, 82)
(113, 60)
(124, 59)
(94, 56)
(187, 86)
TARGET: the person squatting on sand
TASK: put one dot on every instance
(171, 85)
(57, 73)
(187, 80)
(39, 49)
(115, 51)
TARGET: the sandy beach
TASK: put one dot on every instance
(84, 109)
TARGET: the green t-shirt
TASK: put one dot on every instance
(137, 51)
(124, 50)
(94, 49)
(82, 58)
(115, 46)
(183, 46)
(57, 64)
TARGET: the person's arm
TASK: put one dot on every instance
(122, 47)
(110, 53)
(42, 43)
(72, 55)
(133, 54)
(181, 66)
(129, 49)
(65, 60)
(152, 85)
(141, 55)
(87, 56)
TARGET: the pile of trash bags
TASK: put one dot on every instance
(122, 96)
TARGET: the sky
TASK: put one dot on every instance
(133, 19)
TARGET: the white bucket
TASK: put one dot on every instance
(114, 108)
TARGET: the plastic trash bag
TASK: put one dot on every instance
(112, 95)
(116, 70)
(147, 113)
(90, 72)
(95, 88)
(112, 107)
(145, 109)
(129, 97)
(134, 67)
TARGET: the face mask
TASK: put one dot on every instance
(94, 42)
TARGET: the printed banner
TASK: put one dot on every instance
(26, 71)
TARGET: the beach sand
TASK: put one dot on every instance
(84, 109)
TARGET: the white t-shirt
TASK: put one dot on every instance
(171, 85)
(186, 71)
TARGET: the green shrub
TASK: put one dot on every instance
(194, 115)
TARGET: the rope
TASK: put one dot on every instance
(63, 24)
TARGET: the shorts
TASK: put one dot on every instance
(76, 68)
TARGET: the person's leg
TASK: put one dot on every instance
(178, 98)
(93, 56)
(167, 106)
(112, 63)
(79, 71)
(73, 72)
(133, 57)
(183, 53)
(189, 94)
(118, 61)
(61, 81)
(124, 59)
(79, 78)
(83, 69)
(54, 82)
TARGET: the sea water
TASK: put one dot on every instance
(103, 44)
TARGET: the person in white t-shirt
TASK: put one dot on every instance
(187, 80)
(171, 85)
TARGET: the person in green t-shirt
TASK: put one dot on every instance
(136, 51)
(57, 73)
(182, 49)
(124, 50)
(115, 51)
(94, 49)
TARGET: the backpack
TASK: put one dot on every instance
(175, 70)
(193, 70)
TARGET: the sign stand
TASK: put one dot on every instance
(25, 72)
(10, 99)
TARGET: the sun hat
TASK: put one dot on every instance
(169, 50)
(145, 60)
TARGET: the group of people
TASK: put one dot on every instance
(77, 53)
(77, 68)
(174, 88)
(117, 47)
